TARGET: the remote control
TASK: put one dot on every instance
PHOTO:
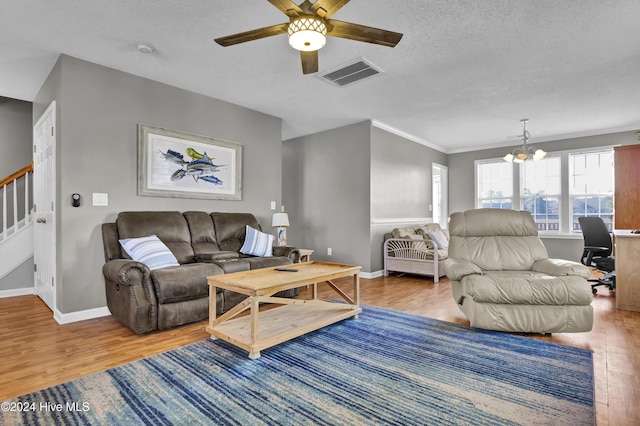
(286, 270)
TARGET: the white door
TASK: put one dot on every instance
(440, 192)
(44, 190)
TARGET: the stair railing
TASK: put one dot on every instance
(14, 184)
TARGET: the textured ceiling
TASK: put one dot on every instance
(462, 77)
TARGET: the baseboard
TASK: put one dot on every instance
(17, 292)
(371, 275)
(80, 315)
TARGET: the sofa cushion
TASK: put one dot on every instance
(170, 227)
(403, 232)
(257, 243)
(426, 228)
(230, 266)
(203, 236)
(527, 288)
(184, 282)
(150, 251)
(230, 229)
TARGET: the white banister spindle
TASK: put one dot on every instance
(15, 204)
(27, 215)
(4, 212)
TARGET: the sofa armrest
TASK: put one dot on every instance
(458, 268)
(127, 272)
(286, 251)
(560, 267)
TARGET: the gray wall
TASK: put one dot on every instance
(16, 139)
(462, 184)
(336, 182)
(401, 184)
(16, 130)
(98, 112)
(19, 278)
(326, 193)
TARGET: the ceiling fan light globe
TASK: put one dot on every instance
(307, 34)
(509, 158)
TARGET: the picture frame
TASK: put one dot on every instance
(183, 165)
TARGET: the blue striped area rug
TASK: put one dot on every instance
(385, 367)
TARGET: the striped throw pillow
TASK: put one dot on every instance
(257, 243)
(150, 251)
(439, 239)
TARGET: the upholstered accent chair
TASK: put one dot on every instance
(502, 278)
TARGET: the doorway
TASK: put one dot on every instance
(44, 193)
(440, 191)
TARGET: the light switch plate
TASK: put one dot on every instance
(273, 205)
(100, 199)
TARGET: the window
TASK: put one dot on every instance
(540, 192)
(494, 184)
(556, 190)
(591, 186)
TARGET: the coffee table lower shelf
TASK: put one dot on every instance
(280, 324)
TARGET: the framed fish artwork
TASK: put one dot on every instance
(178, 164)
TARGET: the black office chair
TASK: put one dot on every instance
(597, 251)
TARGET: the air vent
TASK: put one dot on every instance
(351, 72)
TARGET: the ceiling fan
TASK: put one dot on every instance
(308, 27)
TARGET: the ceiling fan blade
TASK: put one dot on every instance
(287, 7)
(252, 35)
(362, 33)
(326, 8)
(309, 61)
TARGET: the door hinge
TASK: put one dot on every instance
(51, 130)
(34, 208)
(35, 268)
(52, 206)
(52, 284)
(35, 149)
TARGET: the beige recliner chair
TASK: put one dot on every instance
(502, 278)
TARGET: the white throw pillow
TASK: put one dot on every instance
(257, 243)
(150, 251)
(439, 239)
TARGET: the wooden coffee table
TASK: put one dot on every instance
(261, 330)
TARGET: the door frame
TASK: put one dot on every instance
(440, 193)
(45, 251)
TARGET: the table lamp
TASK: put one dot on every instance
(281, 221)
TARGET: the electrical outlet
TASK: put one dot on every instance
(329, 251)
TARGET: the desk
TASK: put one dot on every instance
(627, 252)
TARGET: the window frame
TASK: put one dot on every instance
(558, 196)
(479, 200)
(590, 194)
(565, 206)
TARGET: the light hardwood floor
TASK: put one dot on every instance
(37, 352)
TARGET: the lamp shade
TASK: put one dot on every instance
(280, 219)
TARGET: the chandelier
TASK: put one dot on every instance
(518, 155)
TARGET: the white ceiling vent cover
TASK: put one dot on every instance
(351, 72)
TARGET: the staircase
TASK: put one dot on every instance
(16, 234)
